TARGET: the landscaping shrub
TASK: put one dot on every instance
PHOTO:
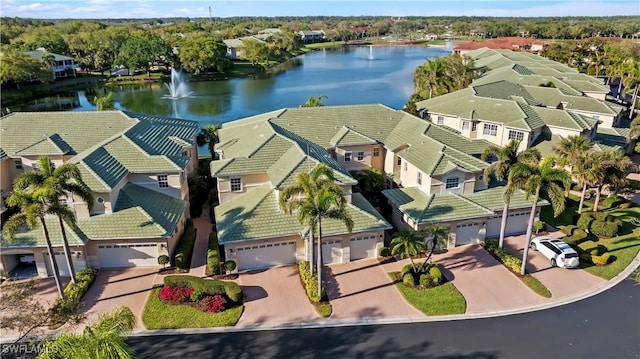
(212, 304)
(213, 261)
(504, 256)
(576, 238)
(182, 258)
(584, 257)
(539, 226)
(63, 309)
(584, 222)
(588, 247)
(426, 280)
(613, 201)
(406, 269)
(384, 252)
(408, 279)
(196, 295)
(625, 205)
(175, 295)
(604, 228)
(310, 282)
(601, 260)
(436, 275)
(211, 287)
(230, 266)
(568, 230)
(163, 260)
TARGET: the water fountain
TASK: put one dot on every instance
(178, 87)
(370, 53)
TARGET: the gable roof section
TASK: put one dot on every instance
(452, 138)
(35, 237)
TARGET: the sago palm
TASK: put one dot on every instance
(535, 178)
(507, 157)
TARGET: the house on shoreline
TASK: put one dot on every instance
(136, 167)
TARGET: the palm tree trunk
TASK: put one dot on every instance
(52, 258)
(434, 242)
(597, 201)
(584, 192)
(310, 243)
(620, 87)
(532, 217)
(67, 251)
(633, 101)
(319, 258)
(503, 224)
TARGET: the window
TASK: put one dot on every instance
(490, 130)
(440, 120)
(236, 184)
(516, 135)
(360, 156)
(347, 156)
(100, 200)
(474, 127)
(399, 161)
(452, 183)
(465, 125)
(163, 181)
(376, 152)
(419, 177)
(18, 164)
(406, 166)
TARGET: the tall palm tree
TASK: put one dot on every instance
(209, 136)
(52, 184)
(570, 148)
(104, 339)
(437, 234)
(536, 177)
(507, 158)
(32, 212)
(612, 171)
(634, 129)
(408, 244)
(587, 170)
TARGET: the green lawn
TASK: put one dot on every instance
(324, 45)
(441, 300)
(535, 285)
(157, 315)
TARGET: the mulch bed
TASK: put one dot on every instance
(172, 270)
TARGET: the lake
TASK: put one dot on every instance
(346, 76)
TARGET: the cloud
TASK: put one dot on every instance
(91, 9)
(40, 7)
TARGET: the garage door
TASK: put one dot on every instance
(493, 226)
(517, 223)
(266, 255)
(467, 233)
(78, 264)
(363, 247)
(128, 255)
(331, 251)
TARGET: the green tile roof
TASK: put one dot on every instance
(426, 209)
(35, 237)
(347, 137)
(452, 138)
(545, 143)
(552, 97)
(256, 215)
(560, 118)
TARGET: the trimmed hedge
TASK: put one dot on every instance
(504, 256)
(211, 287)
(384, 252)
(574, 235)
(604, 229)
(182, 258)
(601, 260)
(310, 282)
(600, 224)
(213, 254)
(431, 277)
(62, 309)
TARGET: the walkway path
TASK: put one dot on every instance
(199, 257)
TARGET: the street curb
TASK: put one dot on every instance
(635, 263)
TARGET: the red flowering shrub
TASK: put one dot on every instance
(175, 294)
(212, 304)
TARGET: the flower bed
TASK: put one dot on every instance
(199, 300)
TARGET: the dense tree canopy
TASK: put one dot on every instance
(202, 54)
(18, 67)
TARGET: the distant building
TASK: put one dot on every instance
(62, 67)
(311, 36)
(502, 43)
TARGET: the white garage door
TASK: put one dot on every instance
(63, 268)
(128, 255)
(266, 255)
(466, 233)
(363, 247)
(517, 223)
(493, 226)
(331, 251)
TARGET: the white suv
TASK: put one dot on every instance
(560, 253)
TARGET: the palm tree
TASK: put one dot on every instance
(209, 136)
(32, 211)
(508, 157)
(52, 184)
(104, 339)
(535, 177)
(438, 235)
(408, 244)
(315, 101)
(634, 129)
(570, 148)
(587, 170)
(612, 171)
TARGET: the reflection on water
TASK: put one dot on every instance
(344, 75)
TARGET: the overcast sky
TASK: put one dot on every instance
(101, 9)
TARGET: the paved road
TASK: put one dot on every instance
(603, 326)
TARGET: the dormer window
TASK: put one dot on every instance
(347, 156)
(440, 120)
(236, 184)
(163, 181)
(18, 164)
(465, 125)
(452, 183)
(376, 152)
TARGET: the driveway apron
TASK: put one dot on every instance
(362, 289)
(274, 296)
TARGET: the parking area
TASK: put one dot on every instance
(120, 287)
(561, 282)
(274, 295)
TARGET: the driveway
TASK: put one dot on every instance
(274, 295)
(121, 287)
(486, 285)
(561, 282)
(362, 289)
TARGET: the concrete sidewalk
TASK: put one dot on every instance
(199, 256)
